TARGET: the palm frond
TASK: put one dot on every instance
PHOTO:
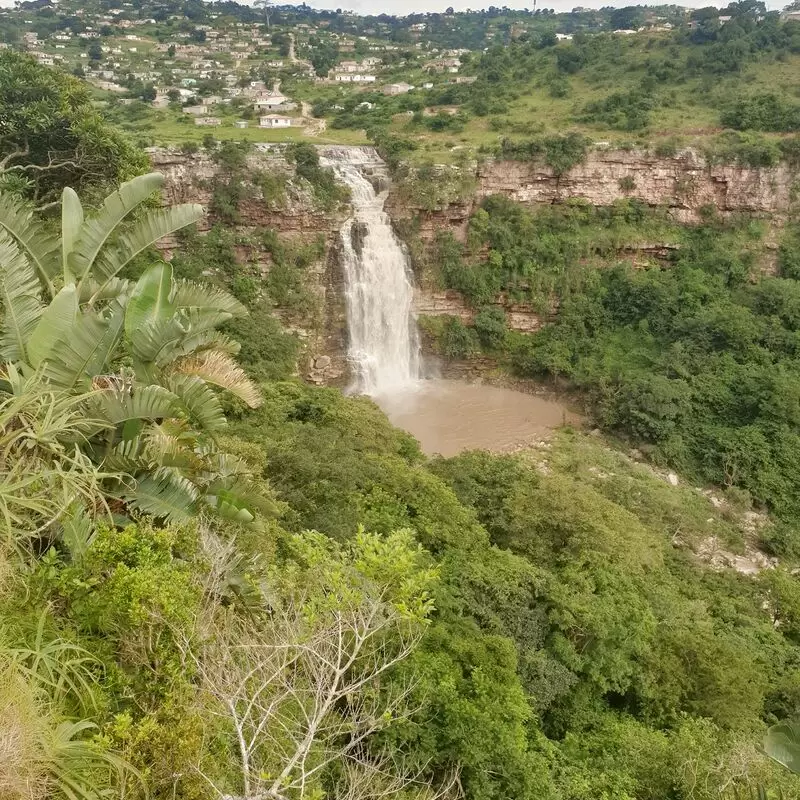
(85, 348)
(77, 531)
(145, 232)
(782, 744)
(142, 402)
(20, 294)
(189, 294)
(203, 340)
(164, 495)
(199, 401)
(100, 227)
(40, 246)
(56, 320)
(221, 370)
(171, 444)
(71, 224)
(151, 305)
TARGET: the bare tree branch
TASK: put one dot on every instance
(299, 684)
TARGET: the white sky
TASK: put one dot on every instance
(415, 6)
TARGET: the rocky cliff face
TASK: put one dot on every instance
(190, 179)
(684, 184)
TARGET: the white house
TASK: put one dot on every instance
(274, 121)
(357, 77)
(240, 123)
(397, 88)
(212, 122)
(272, 102)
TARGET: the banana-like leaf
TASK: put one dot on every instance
(221, 370)
(19, 293)
(171, 443)
(203, 295)
(164, 495)
(85, 349)
(204, 340)
(98, 229)
(782, 744)
(41, 247)
(162, 341)
(143, 402)
(58, 318)
(199, 401)
(145, 232)
(115, 289)
(71, 224)
(240, 500)
(150, 305)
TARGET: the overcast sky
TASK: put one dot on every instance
(413, 6)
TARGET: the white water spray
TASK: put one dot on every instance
(384, 344)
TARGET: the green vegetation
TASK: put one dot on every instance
(66, 142)
(217, 581)
(690, 358)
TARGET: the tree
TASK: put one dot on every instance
(265, 6)
(51, 135)
(157, 415)
(303, 682)
(95, 51)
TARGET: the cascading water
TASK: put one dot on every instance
(384, 343)
(446, 416)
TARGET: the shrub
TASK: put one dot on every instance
(623, 111)
(490, 327)
(457, 340)
(745, 149)
(765, 112)
(561, 153)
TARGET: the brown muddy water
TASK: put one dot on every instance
(448, 417)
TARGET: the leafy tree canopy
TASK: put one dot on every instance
(51, 136)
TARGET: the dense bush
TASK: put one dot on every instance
(561, 153)
(623, 111)
(766, 112)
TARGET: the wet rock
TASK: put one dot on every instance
(358, 233)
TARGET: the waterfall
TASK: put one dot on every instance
(384, 347)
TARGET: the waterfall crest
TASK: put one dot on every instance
(384, 347)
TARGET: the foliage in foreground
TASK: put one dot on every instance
(53, 137)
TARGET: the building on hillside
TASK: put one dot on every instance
(211, 122)
(274, 121)
(275, 102)
(196, 111)
(356, 77)
(240, 123)
(397, 88)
